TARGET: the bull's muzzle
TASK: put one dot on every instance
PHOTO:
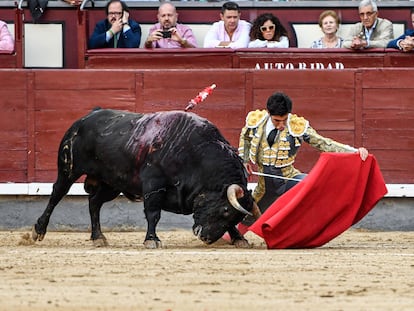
(197, 231)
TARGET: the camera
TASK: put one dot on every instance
(166, 33)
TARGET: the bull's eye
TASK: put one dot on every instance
(226, 212)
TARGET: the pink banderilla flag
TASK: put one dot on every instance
(200, 97)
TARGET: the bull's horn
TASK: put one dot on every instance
(256, 211)
(233, 192)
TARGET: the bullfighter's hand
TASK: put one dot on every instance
(363, 153)
(249, 168)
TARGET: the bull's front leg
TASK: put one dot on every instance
(151, 239)
(237, 238)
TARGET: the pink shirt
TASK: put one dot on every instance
(6, 39)
(167, 43)
(217, 33)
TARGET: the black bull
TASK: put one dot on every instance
(174, 161)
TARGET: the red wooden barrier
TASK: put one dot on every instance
(8, 59)
(267, 59)
(370, 107)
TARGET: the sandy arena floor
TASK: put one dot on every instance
(356, 271)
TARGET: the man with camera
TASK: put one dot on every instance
(117, 30)
(167, 33)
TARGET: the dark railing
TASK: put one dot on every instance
(271, 59)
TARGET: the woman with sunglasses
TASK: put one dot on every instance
(329, 22)
(267, 31)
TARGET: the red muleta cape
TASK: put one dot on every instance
(338, 192)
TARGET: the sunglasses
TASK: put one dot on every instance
(264, 28)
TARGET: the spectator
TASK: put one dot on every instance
(372, 31)
(267, 31)
(230, 32)
(404, 42)
(329, 23)
(117, 30)
(271, 139)
(167, 33)
(37, 8)
(6, 39)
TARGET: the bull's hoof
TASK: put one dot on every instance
(241, 243)
(100, 242)
(37, 236)
(152, 244)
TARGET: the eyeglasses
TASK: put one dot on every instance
(264, 28)
(115, 13)
(368, 14)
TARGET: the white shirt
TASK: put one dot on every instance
(283, 43)
(217, 34)
(269, 127)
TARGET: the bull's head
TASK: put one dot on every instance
(215, 213)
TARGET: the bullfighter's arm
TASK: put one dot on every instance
(325, 144)
(253, 121)
(244, 144)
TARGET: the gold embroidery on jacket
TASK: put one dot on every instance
(297, 125)
(254, 118)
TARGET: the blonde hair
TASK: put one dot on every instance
(329, 13)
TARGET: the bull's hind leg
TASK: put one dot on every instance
(60, 189)
(99, 193)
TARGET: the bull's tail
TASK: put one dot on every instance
(65, 157)
(65, 160)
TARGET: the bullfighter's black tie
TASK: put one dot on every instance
(271, 137)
